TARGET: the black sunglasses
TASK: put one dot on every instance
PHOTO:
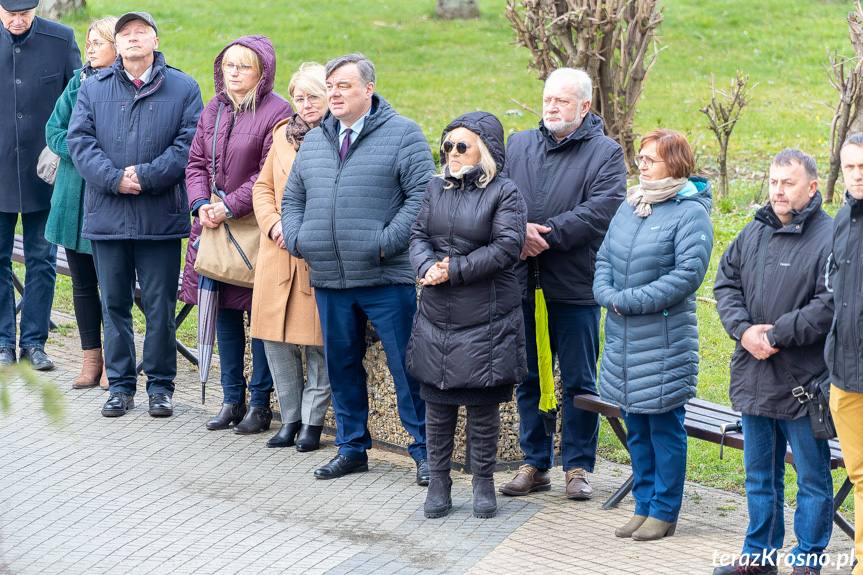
(461, 147)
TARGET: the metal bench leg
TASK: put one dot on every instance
(20, 288)
(840, 497)
(627, 485)
(181, 348)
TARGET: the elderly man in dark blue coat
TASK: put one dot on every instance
(129, 137)
(573, 178)
(37, 59)
(353, 193)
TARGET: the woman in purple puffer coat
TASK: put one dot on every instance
(247, 109)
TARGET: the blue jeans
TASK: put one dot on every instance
(231, 336)
(657, 446)
(40, 257)
(765, 443)
(157, 266)
(343, 314)
(574, 331)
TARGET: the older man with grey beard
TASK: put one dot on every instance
(573, 178)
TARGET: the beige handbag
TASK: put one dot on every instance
(46, 166)
(228, 253)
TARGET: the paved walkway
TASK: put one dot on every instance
(140, 495)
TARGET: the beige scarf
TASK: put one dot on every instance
(653, 192)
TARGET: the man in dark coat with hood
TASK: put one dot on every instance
(129, 137)
(774, 299)
(573, 178)
(37, 59)
(354, 190)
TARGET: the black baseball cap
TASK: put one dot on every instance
(18, 5)
(129, 16)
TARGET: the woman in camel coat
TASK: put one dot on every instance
(284, 314)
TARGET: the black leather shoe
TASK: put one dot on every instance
(423, 472)
(230, 414)
(339, 466)
(118, 404)
(285, 436)
(257, 420)
(37, 358)
(160, 405)
(309, 438)
(7, 356)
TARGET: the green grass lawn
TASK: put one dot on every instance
(432, 71)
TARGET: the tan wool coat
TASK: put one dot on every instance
(283, 301)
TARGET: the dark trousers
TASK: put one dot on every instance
(40, 263)
(344, 313)
(85, 298)
(574, 331)
(231, 336)
(483, 429)
(157, 265)
(657, 446)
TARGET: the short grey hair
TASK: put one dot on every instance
(365, 67)
(581, 79)
(791, 156)
(853, 140)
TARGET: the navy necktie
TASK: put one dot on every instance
(346, 143)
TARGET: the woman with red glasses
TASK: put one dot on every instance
(467, 343)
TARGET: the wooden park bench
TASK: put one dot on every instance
(63, 269)
(715, 423)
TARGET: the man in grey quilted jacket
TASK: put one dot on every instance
(354, 190)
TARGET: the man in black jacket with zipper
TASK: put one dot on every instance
(573, 179)
(844, 349)
(773, 298)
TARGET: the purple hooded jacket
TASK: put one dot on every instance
(241, 149)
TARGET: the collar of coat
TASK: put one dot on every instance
(855, 204)
(797, 225)
(591, 126)
(381, 112)
(156, 78)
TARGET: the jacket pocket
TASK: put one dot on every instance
(51, 78)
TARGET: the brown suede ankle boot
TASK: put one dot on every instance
(103, 381)
(90, 371)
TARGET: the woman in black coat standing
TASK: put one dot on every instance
(467, 344)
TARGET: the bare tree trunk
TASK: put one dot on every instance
(450, 9)
(54, 9)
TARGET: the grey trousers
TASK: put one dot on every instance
(298, 402)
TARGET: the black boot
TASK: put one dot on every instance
(483, 426)
(438, 498)
(257, 420)
(284, 437)
(230, 414)
(309, 438)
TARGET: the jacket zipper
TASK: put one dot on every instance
(625, 319)
(150, 122)
(122, 119)
(342, 277)
(448, 309)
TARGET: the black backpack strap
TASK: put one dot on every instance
(215, 136)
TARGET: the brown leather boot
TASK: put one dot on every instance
(528, 480)
(654, 529)
(90, 371)
(103, 381)
(631, 526)
(577, 486)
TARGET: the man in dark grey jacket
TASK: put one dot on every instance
(354, 190)
(844, 349)
(37, 59)
(573, 178)
(773, 298)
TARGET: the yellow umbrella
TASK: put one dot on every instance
(547, 400)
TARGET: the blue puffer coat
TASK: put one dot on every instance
(649, 269)
(114, 126)
(339, 216)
